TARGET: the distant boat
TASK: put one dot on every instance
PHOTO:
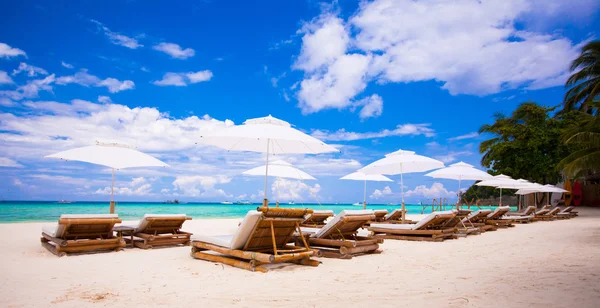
(243, 202)
(291, 202)
(226, 202)
(357, 203)
(64, 201)
(171, 202)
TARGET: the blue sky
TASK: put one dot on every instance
(369, 77)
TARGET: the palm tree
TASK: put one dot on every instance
(586, 135)
(585, 83)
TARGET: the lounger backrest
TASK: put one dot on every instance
(435, 220)
(345, 224)
(499, 212)
(380, 214)
(282, 222)
(568, 209)
(82, 226)
(477, 216)
(317, 216)
(243, 232)
(541, 212)
(394, 215)
(161, 223)
(529, 210)
(554, 211)
(456, 221)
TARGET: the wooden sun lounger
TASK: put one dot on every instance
(394, 217)
(567, 213)
(155, 230)
(430, 228)
(82, 233)
(317, 218)
(478, 219)
(339, 237)
(496, 218)
(380, 215)
(262, 238)
(463, 227)
(545, 215)
(530, 210)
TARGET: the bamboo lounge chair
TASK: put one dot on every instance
(381, 214)
(161, 230)
(545, 215)
(567, 213)
(262, 238)
(463, 227)
(394, 217)
(430, 228)
(496, 218)
(339, 237)
(317, 218)
(478, 219)
(82, 233)
(526, 212)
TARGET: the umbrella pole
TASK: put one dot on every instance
(500, 197)
(112, 193)
(365, 197)
(265, 200)
(458, 201)
(402, 191)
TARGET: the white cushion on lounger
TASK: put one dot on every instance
(416, 226)
(239, 238)
(59, 229)
(380, 211)
(392, 213)
(516, 217)
(143, 223)
(306, 230)
(430, 217)
(330, 212)
(498, 209)
(339, 217)
(394, 226)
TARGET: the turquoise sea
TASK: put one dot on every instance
(24, 211)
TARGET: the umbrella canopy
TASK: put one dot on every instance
(359, 176)
(266, 135)
(113, 155)
(502, 181)
(281, 169)
(401, 162)
(460, 171)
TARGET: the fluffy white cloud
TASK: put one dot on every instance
(117, 38)
(372, 106)
(67, 65)
(452, 156)
(200, 186)
(83, 78)
(4, 78)
(285, 189)
(470, 47)
(30, 69)
(174, 50)
(183, 79)
(436, 190)
(30, 89)
(465, 136)
(400, 130)
(137, 187)
(7, 162)
(6, 51)
(104, 99)
(378, 194)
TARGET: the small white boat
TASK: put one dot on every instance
(226, 202)
(357, 204)
(65, 201)
(291, 203)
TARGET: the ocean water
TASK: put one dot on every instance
(22, 211)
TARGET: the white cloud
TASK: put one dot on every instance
(200, 186)
(452, 156)
(183, 79)
(436, 190)
(137, 181)
(174, 50)
(465, 136)
(144, 69)
(6, 51)
(76, 106)
(30, 89)
(400, 130)
(30, 69)
(469, 47)
(137, 187)
(378, 194)
(285, 189)
(67, 65)
(104, 99)
(117, 38)
(6, 102)
(4, 78)
(83, 78)
(7, 162)
(372, 107)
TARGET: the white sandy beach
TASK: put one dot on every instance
(544, 264)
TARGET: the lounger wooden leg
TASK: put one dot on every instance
(52, 249)
(250, 266)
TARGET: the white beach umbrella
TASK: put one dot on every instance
(401, 162)
(359, 176)
(266, 135)
(460, 171)
(502, 181)
(113, 155)
(280, 169)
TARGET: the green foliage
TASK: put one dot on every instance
(527, 144)
(584, 83)
(585, 134)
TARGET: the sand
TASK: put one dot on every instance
(544, 264)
